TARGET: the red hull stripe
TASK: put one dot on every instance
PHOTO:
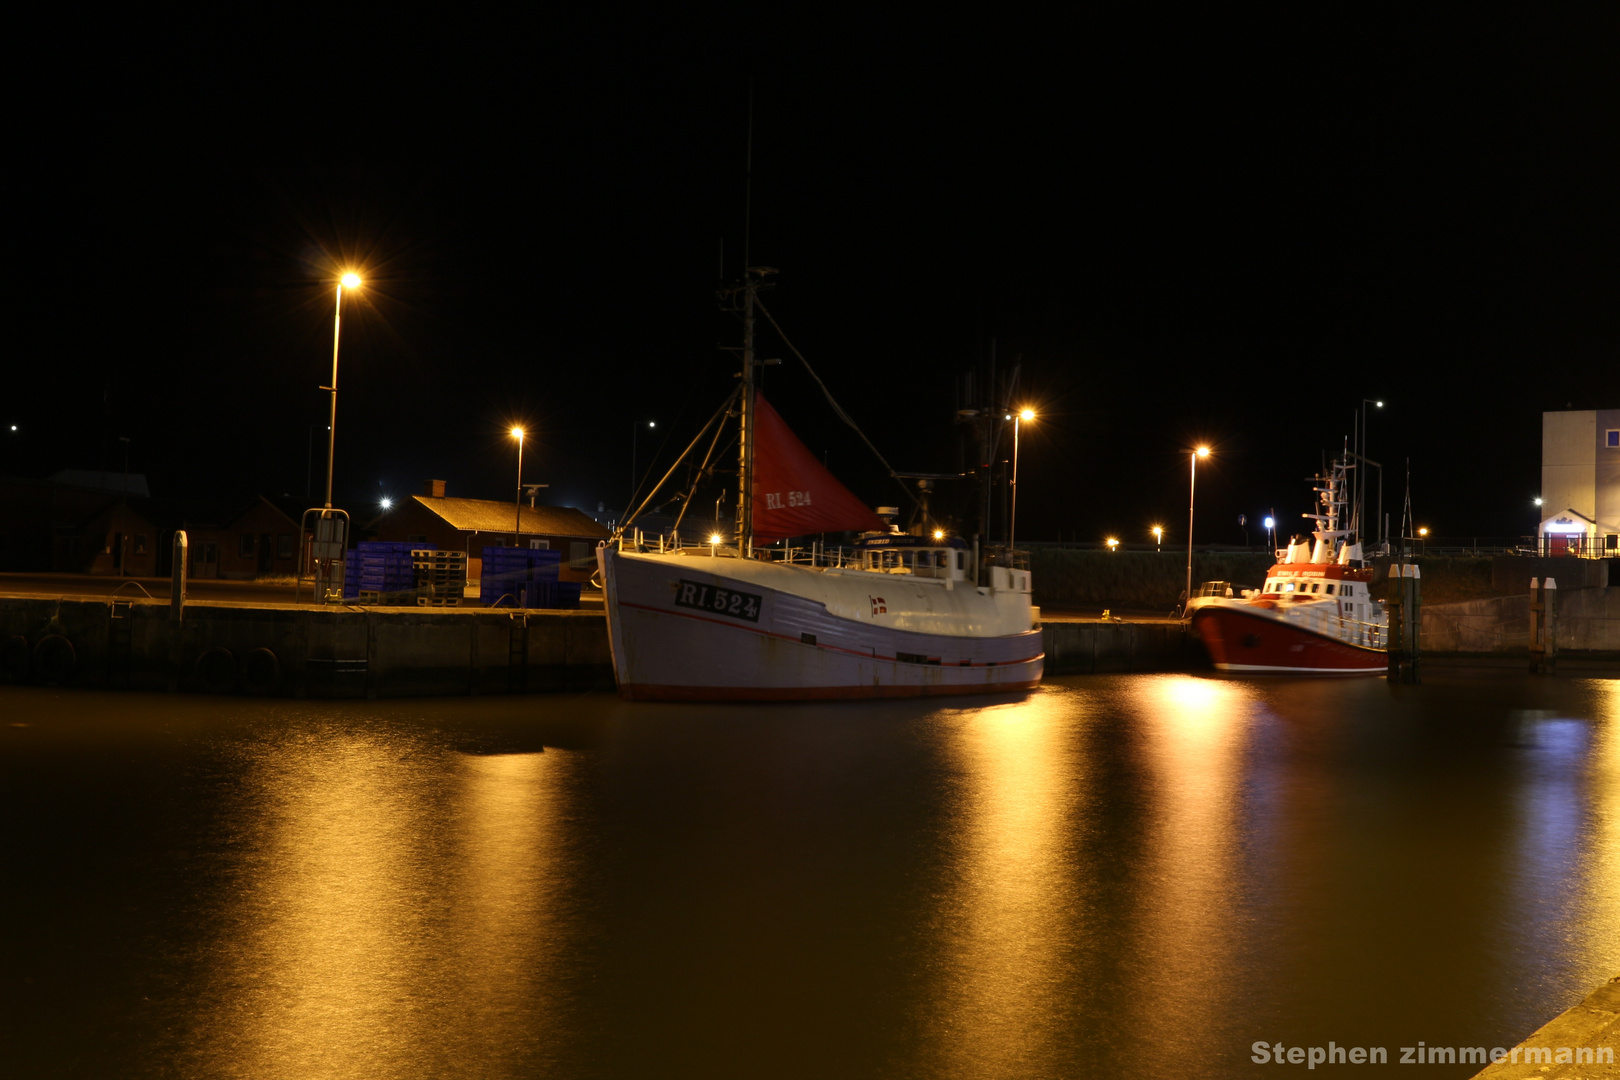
(1273, 645)
(868, 655)
(648, 692)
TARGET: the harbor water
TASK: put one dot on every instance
(1130, 875)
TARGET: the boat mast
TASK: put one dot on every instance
(745, 432)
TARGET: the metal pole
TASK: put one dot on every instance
(517, 503)
(635, 429)
(1012, 520)
(1192, 485)
(331, 428)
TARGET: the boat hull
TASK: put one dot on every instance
(1244, 641)
(793, 649)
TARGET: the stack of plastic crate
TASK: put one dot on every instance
(441, 576)
(520, 577)
(387, 573)
(351, 576)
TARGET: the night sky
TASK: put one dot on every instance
(1226, 227)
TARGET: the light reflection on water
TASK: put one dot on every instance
(1118, 875)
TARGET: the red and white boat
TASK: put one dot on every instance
(904, 616)
(1314, 616)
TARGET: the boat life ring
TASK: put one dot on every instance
(261, 671)
(55, 659)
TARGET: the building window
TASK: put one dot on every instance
(579, 555)
(284, 546)
(247, 546)
(540, 545)
(140, 544)
(1611, 438)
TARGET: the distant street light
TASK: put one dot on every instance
(1538, 497)
(387, 503)
(1113, 544)
(517, 503)
(1192, 487)
(1012, 518)
(1158, 537)
(1271, 535)
(350, 280)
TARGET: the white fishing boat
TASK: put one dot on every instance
(901, 614)
(1315, 615)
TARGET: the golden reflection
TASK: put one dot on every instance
(1007, 920)
(1194, 734)
(394, 921)
(1602, 877)
(334, 917)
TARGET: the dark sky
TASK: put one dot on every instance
(1228, 227)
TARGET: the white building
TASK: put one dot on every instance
(1580, 482)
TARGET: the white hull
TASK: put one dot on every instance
(690, 627)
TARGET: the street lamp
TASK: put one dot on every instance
(1192, 487)
(517, 503)
(349, 280)
(1012, 520)
(1113, 544)
(1271, 535)
(1158, 537)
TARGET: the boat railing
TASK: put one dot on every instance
(1001, 555)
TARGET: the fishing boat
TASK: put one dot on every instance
(900, 614)
(1315, 614)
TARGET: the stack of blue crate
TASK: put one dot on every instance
(351, 576)
(386, 567)
(520, 577)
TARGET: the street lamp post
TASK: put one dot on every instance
(350, 281)
(1271, 535)
(517, 503)
(1158, 538)
(1192, 487)
(1012, 519)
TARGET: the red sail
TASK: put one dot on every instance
(794, 495)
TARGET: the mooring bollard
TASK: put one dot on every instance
(1543, 627)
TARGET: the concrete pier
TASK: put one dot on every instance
(1581, 1043)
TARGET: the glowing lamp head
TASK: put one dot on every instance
(714, 538)
(1538, 497)
(1423, 532)
(387, 503)
(517, 433)
(1112, 543)
(1027, 414)
(939, 534)
(1271, 523)
(1202, 451)
(351, 281)
(1380, 404)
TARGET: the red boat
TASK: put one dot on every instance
(1314, 616)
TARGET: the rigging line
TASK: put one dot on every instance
(718, 413)
(837, 408)
(719, 430)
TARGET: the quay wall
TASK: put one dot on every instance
(354, 652)
(1585, 620)
(342, 652)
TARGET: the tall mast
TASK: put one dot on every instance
(745, 440)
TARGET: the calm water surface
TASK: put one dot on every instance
(1131, 876)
